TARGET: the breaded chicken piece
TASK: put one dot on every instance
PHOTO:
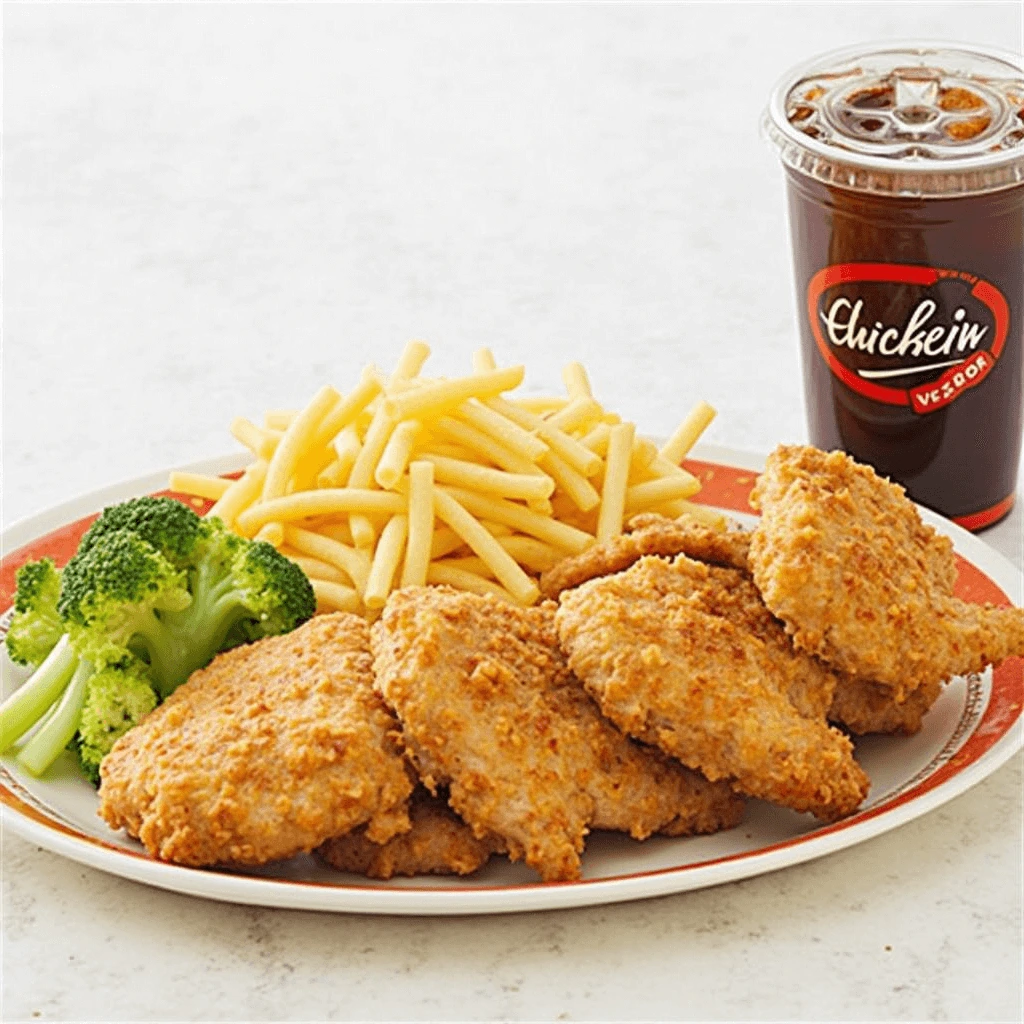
(842, 557)
(489, 708)
(864, 707)
(861, 705)
(439, 843)
(682, 655)
(649, 534)
(265, 753)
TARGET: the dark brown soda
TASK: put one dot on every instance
(961, 459)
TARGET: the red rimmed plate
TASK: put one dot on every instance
(975, 726)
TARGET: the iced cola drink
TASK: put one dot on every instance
(905, 177)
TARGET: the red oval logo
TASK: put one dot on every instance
(946, 357)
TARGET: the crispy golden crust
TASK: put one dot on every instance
(649, 535)
(842, 557)
(489, 708)
(270, 750)
(683, 655)
(439, 843)
(865, 707)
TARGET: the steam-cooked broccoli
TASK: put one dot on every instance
(152, 594)
(116, 698)
(36, 625)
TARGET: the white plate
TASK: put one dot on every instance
(973, 729)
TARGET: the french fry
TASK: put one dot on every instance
(644, 454)
(290, 448)
(327, 501)
(483, 361)
(707, 516)
(496, 529)
(386, 560)
(414, 355)
(566, 447)
(272, 533)
(336, 529)
(502, 429)
(489, 481)
(678, 446)
(574, 484)
(654, 492)
(246, 433)
(448, 393)
(240, 495)
(278, 419)
(560, 535)
(445, 539)
(580, 412)
(532, 553)
(540, 405)
(577, 383)
(505, 568)
(351, 406)
(354, 563)
(485, 445)
(315, 568)
(418, 550)
(660, 466)
(333, 475)
(377, 435)
(616, 475)
(395, 457)
(200, 485)
(311, 464)
(452, 576)
(346, 447)
(334, 597)
(596, 439)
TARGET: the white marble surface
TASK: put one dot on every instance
(213, 209)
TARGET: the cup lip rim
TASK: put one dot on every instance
(783, 131)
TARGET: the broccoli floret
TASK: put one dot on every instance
(113, 596)
(117, 697)
(275, 593)
(122, 591)
(170, 526)
(155, 588)
(35, 626)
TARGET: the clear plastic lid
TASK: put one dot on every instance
(905, 119)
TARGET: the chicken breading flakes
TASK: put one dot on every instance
(684, 655)
(265, 753)
(439, 843)
(489, 708)
(842, 557)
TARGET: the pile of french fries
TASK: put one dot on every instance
(408, 480)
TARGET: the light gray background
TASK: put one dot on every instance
(215, 209)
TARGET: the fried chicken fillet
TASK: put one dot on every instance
(439, 843)
(864, 707)
(489, 708)
(842, 558)
(648, 534)
(861, 705)
(685, 656)
(268, 751)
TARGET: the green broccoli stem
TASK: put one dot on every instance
(56, 732)
(37, 694)
(179, 642)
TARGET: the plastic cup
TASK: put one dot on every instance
(905, 180)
